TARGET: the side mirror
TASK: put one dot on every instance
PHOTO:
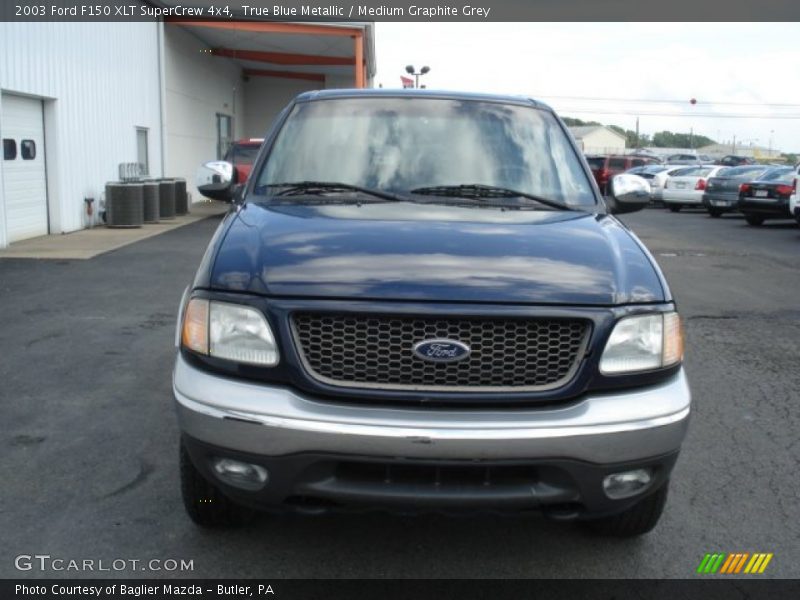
(216, 179)
(629, 193)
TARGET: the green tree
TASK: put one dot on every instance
(668, 139)
(573, 122)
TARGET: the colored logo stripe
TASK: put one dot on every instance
(733, 563)
(758, 563)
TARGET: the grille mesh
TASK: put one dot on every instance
(376, 351)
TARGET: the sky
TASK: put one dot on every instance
(739, 73)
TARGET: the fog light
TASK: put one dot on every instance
(240, 474)
(627, 483)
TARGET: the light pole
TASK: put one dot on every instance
(769, 152)
(411, 71)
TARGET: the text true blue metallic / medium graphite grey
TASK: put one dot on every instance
(421, 301)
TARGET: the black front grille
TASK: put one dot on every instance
(377, 351)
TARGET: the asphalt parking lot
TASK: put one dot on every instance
(89, 438)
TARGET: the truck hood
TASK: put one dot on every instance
(429, 252)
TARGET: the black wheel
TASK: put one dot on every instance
(674, 207)
(714, 212)
(637, 520)
(204, 503)
(754, 220)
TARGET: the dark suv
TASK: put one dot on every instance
(732, 160)
(421, 301)
(604, 168)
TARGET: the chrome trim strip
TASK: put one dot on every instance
(610, 427)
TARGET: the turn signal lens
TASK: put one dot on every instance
(673, 339)
(195, 326)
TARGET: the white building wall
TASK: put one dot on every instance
(198, 86)
(98, 84)
(603, 141)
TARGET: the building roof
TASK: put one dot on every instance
(581, 131)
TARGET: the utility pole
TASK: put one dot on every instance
(733, 146)
(637, 132)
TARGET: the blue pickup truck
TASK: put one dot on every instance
(421, 301)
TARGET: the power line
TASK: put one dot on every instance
(679, 115)
(665, 101)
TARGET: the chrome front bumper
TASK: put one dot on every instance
(601, 428)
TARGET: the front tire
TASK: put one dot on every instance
(754, 220)
(674, 208)
(637, 520)
(204, 503)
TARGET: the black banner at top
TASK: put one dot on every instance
(400, 10)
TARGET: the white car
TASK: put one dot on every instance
(794, 205)
(685, 187)
(660, 178)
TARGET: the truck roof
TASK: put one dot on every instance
(419, 93)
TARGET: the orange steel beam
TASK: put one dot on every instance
(269, 27)
(319, 77)
(283, 58)
(358, 40)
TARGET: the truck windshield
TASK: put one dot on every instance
(402, 144)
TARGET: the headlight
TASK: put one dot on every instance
(230, 331)
(643, 343)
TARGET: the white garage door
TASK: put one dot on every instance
(24, 185)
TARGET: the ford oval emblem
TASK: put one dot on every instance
(441, 351)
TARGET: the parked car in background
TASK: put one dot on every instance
(242, 154)
(647, 153)
(767, 197)
(794, 205)
(647, 171)
(722, 190)
(732, 160)
(686, 187)
(689, 159)
(660, 179)
(604, 168)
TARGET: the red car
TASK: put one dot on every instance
(241, 155)
(604, 168)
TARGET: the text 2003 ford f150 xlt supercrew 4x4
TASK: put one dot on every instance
(420, 300)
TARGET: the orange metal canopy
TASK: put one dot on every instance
(288, 58)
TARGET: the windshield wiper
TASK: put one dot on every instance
(314, 188)
(480, 191)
